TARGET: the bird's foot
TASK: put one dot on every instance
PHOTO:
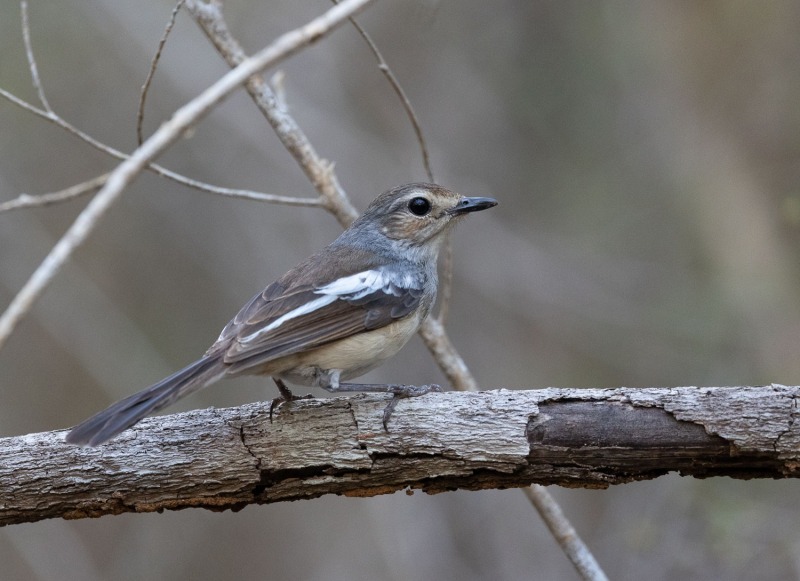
(278, 401)
(402, 392)
(286, 396)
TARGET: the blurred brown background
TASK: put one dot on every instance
(647, 159)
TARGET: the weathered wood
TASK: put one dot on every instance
(228, 458)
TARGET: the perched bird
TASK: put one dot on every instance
(335, 316)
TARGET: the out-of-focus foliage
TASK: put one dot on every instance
(647, 159)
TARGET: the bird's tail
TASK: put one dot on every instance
(106, 424)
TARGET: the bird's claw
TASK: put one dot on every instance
(278, 401)
(402, 392)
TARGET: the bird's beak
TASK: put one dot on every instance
(466, 205)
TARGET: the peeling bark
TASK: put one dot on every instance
(228, 458)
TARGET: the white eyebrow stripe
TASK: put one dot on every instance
(355, 286)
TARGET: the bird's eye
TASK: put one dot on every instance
(419, 206)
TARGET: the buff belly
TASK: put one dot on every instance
(353, 356)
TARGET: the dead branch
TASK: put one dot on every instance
(228, 458)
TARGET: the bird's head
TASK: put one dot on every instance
(417, 215)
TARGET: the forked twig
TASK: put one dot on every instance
(319, 171)
(54, 118)
(50, 115)
(169, 132)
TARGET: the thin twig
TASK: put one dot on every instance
(565, 533)
(49, 115)
(446, 280)
(54, 118)
(26, 38)
(384, 67)
(249, 194)
(70, 193)
(152, 71)
(447, 357)
(169, 132)
(319, 171)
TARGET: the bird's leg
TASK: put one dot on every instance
(286, 395)
(330, 382)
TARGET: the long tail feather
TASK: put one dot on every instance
(120, 416)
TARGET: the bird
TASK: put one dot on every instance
(335, 316)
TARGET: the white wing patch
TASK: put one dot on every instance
(356, 285)
(309, 307)
(351, 287)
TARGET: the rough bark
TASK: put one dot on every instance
(228, 458)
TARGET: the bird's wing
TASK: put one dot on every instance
(281, 321)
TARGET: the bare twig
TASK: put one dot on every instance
(243, 194)
(54, 118)
(26, 38)
(446, 356)
(318, 170)
(188, 115)
(383, 66)
(446, 276)
(28, 201)
(564, 533)
(152, 71)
